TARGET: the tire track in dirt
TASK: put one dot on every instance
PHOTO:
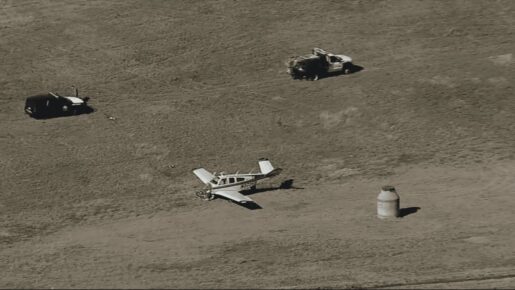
(447, 282)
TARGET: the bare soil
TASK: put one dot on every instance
(107, 199)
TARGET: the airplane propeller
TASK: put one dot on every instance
(205, 193)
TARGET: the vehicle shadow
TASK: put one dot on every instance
(44, 116)
(352, 70)
(408, 210)
(355, 68)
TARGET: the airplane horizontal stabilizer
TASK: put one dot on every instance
(265, 166)
(274, 172)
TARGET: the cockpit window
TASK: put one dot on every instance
(214, 181)
(223, 181)
(231, 180)
(334, 58)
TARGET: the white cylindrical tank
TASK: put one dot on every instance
(387, 203)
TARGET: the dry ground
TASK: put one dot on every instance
(91, 202)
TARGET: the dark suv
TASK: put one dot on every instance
(53, 105)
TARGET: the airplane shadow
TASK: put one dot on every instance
(250, 205)
(247, 205)
(287, 184)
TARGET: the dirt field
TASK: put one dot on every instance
(89, 201)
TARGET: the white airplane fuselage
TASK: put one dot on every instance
(234, 182)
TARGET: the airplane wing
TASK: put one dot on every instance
(233, 195)
(203, 175)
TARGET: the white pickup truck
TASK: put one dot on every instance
(317, 64)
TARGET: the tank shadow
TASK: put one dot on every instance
(408, 210)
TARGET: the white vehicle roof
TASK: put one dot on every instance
(75, 100)
(309, 56)
(344, 58)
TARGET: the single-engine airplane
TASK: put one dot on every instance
(230, 185)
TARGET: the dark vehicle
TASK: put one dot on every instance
(319, 63)
(53, 105)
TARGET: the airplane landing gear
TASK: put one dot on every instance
(204, 195)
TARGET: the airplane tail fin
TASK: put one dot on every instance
(267, 169)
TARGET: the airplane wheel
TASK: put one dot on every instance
(205, 195)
